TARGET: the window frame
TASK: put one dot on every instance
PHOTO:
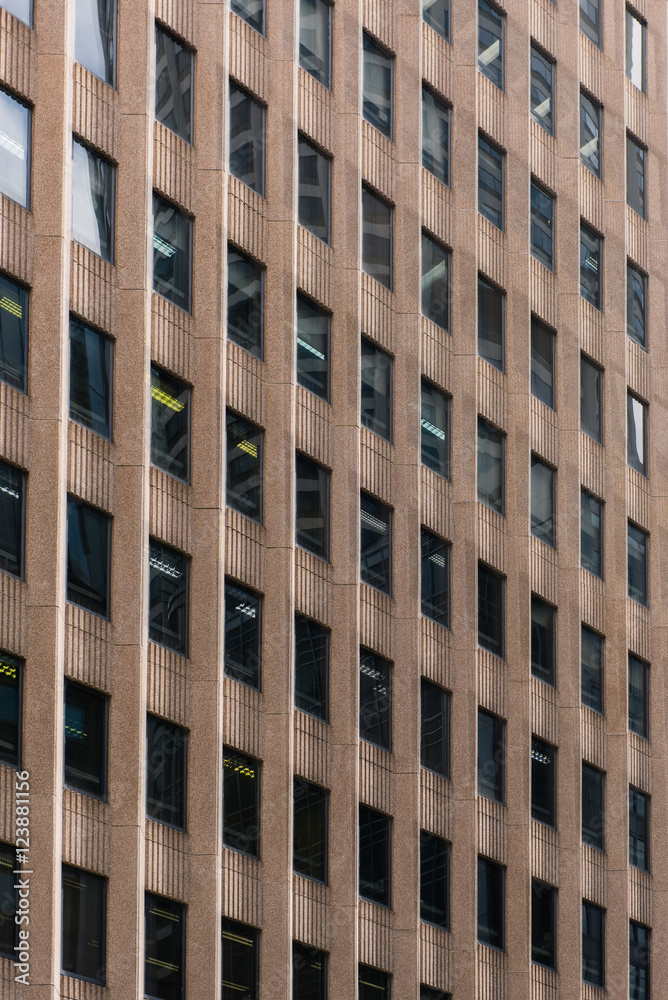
(489, 867)
(633, 853)
(443, 32)
(157, 721)
(484, 281)
(105, 338)
(535, 884)
(502, 584)
(310, 787)
(326, 634)
(545, 673)
(184, 649)
(328, 83)
(497, 784)
(380, 718)
(303, 140)
(190, 139)
(113, 82)
(502, 155)
(262, 30)
(260, 273)
(18, 663)
(28, 166)
(109, 195)
(594, 34)
(234, 927)
(536, 253)
(369, 192)
(591, 498)
(492, 432)
(547, 537)
(429, 387)
(232, 418)
(633, 528)
(595, 839)
(367, 41)
(255, 838)
(540, 747)
(234, 672)
(324, 477)
(601, 957)
(76, 872)
(502, 45)
(587, 361)
(446, 108)
(633, 15)
(447, 259)
(261, 148)
(594, 238)
(326, 314)
(185, 388)
(640, 206)
(386, 901)
(187, 306)
(444, 727)
(598, 108)
(642, 728)
(640, 467)
(633, 275)
(23, 305)
(535, 51)
(425, 837)
(601, 710)
(106, 615)
(369, 497)
(104, 700)
(183, 913)
(21, 575)
(429, 536)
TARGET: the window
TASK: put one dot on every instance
(542, 226)
(590, 133)
(172, 251)
(311, 668)
(635, 176)
(243, 484)
(434, 904)
(374, 856)
(309, 973)
(243, 634)
(490, 181)
(490, 42)
(435, 282)
(543, 924)
(12, 519)
(174, 65)
(638, 696)
(168, 597)
(591, 534)
(636, 436)
(164, 948)
(436, 13)
(84, 925)
(377, 86)
(593, 927)
(638, 961)
(542, 362)
(435, 136)
(434, 728)
(435, 578)
(8, 902)
(435, 430)
(240, 961)
(313, 336)
(247, 139)
(377, 238)
(86, 712)
(543, 783)
(491, 598)
(166, 772)
(593, 815)
(312, 507)
(636, 301)
(590, 266)
(22, 9)
(241, 802)
(372, 984)
(375, 699)
(90, 378)
(490, 466)
(491, 903)
(543, 517)
(309, 845)
(315, 40)
(637, 554)
(251, 11)
(88, 545)
(542, 77)
(590, 20)
(591, 399)
(170, 424)
(11, 712)
(635, 50)
(245, 301)
(375, 543)
(95, 38)
(13, 334)
(491, 756)
(491, 301)
(315, 190)
(638, 829)
(543, 633)
(15, 149)
(93, 201)
(592, 670)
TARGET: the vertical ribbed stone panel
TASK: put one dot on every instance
(639, 762)
(638, 627)
(377, 167)
(543, 293)
(247, 56)
(14, 425)
(79, 989)
(86, 832)
(637, 368)
(491, 682)
(93, 110)
(311, 912)
(376, 778)
(435, 957)
(635, 111)
(376, 465)
(7, 815)
(590, 66)
(242, 888)
(376, 939)
(492, 840)
(591, 331)
(592, 735)
(167, 860)
(313, 430)
(491, 538)
(491, 251)
(173, 163)
(244, 552)
(435, 652)
(543, 24)
(246, 223)
(544, 431)
(178, 15)
(314, 263)
(436, 207)
(591, 601)
(640, 896)
(492, 394)
(376, 620)
(17, 239)
(637, 497)
(592, 465)
(435, 507)
(315, 110)
(312, 749)
(378, 20)
(435, 353)
(87, 648)
(492, 982)
(169, 517)
(91, 287)
(591, 197)
(491, 110)
(544, 853)
(544, 983)
(590, 992)
(594, 875)
(245, 386)
(313, 585)
(543, 570)
(89, 468)
(13, 614)
(544, 711)
(435, 804)
(171, 330)
(167, 690)
(543, 156)
(241, 716)
(436, 62)
(15, 55)
(636, 239)
(377, 314)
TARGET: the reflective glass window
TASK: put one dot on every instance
(95, 37)
(174, 65)
(172, 250)
(377, 238)
(241, 802)
(315, 190)
(375, 699)
(435, 282)
(243, 634)
(90, 378)
(247, 139)
(15, 148)
(88, 545)
(245, 301)
(243, 489)
(315, 39)
(170, 423)
(86, 712)
(93, 201)
(311, 668)
(168, 597)
(377, 86)
(375, 543)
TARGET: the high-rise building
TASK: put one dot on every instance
(333, 381)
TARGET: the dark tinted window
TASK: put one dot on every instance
(435, 430)
(312, 507)
(170, 423)
(85, 739)
(164, 949)
(436, 13)
(315, 190)
(491, 588)
(592, 669)
(593, 927)
(240, 961)
(245, 301)
(636, 301)
(375, 699)
(311, 667)
(593, 814)
(252, 11)
(490, 42)
(243, 634)
(90, 378)
(638, 542)
(491, 756)
(94, 37)
(490, 181)
(543, 924)
(241, 802)
(543, 520)
(543, 640)
(639, 952)
(93, 201)
(428, 993)
(376, 390)
(542, 363)
(8, 902)
(638, 696)
(434, 906)
(172, 249)
(636, 158)
(591, 399)
(490, 323)
(542, 226)
(11, 711)
(377, 238)
(311, 808)
(541, 89)
(491, 903)
(166, 775)
(590, 134)
(377, 86)
(315, 39)
(590, 20)
(243, 485)
(490, 466)
(88, 537)
(434, 728)
(435, 136)
(247, 139)
(84, 925)
(638, 829)
(12, 519)
(435, 559)
(313, 334)
(590, 266)
(435, 282)
(543, 783)
(373, 984)
(173, 84)
(375, 543)
(591, 535)
(13, 334)
(168, 597)
(374, 856)
(15, 149)
(309, 973)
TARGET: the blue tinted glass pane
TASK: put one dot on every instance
(15, 149)
(172, 246)
(94, 37)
